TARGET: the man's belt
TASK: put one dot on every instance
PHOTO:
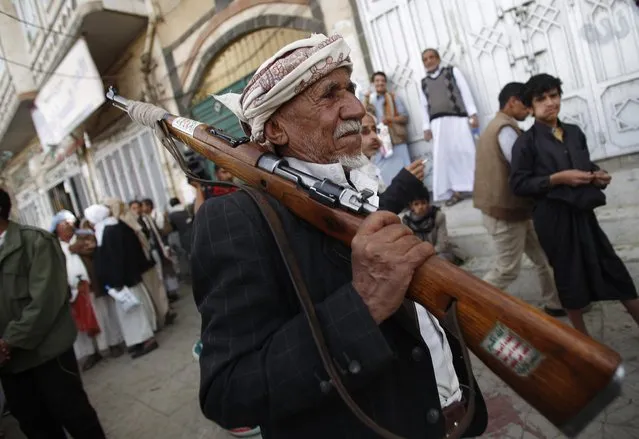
(453, 414)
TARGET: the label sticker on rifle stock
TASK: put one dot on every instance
(512, 350)
(185, 125)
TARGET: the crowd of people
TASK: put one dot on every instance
(122, 277)
(120, 267)
(537, 191)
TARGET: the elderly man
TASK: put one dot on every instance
(406, 184)
(449, 112)
(259, 363)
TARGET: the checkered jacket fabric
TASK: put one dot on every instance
(259, 364)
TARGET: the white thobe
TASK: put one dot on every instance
(103, 307)
(432, 333)
(453, 144)
(137, 323)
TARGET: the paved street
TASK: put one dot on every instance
(155, 396)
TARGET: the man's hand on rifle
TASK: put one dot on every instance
(385, 256)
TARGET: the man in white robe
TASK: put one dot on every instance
(119, 264)
(449, 113)
(87, 346)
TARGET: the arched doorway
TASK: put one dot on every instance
(231, 70)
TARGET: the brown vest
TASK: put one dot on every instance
(491, 193)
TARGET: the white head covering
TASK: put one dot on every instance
(286, 74)
(62, 216)
(96, 213)
(100, 217)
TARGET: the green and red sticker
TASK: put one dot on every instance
(512, 350)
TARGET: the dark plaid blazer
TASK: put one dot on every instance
(259, 364)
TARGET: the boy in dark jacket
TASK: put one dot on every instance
(428, 222)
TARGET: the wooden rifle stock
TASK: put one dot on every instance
(568, 377)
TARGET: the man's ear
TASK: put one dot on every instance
(274, 132)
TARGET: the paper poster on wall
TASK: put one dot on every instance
(72, 93)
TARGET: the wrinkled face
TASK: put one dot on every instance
(223, 175)
(518, 109)
(419, 207)
(370, 140)
(135, 209)
(64, 230)
(321, 125)
(431, 60)
(546, 107)
(379, 82)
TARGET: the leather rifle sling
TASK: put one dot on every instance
(288, 257)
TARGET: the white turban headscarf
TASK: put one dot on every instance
(286, 74)
(100, 217)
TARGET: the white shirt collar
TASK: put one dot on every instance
(436, 73)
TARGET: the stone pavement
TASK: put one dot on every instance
(155, 397)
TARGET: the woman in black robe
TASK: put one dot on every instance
(551, 163)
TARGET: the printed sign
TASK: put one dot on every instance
(185, 125)
(512, 350)
(72, 93)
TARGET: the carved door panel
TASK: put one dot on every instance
(592, 45)
(608, 36)
(510, 40)
(397, 31)
(392, 35)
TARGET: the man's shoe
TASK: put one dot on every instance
(169, 319)
(244, 431)
(116, 351)
(145, 349)
(555, 312)
(91, 361)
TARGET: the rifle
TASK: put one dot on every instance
(568, 377)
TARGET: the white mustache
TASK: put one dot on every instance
(347, 127)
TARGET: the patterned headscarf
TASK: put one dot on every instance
(285, 75)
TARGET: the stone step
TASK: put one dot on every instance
(466, 230)
(619, 218)
(526, 286)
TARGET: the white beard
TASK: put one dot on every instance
(353, 161)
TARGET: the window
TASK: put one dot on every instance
(133, 171)
(81, 192)
(28, 11)
(36, 212)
